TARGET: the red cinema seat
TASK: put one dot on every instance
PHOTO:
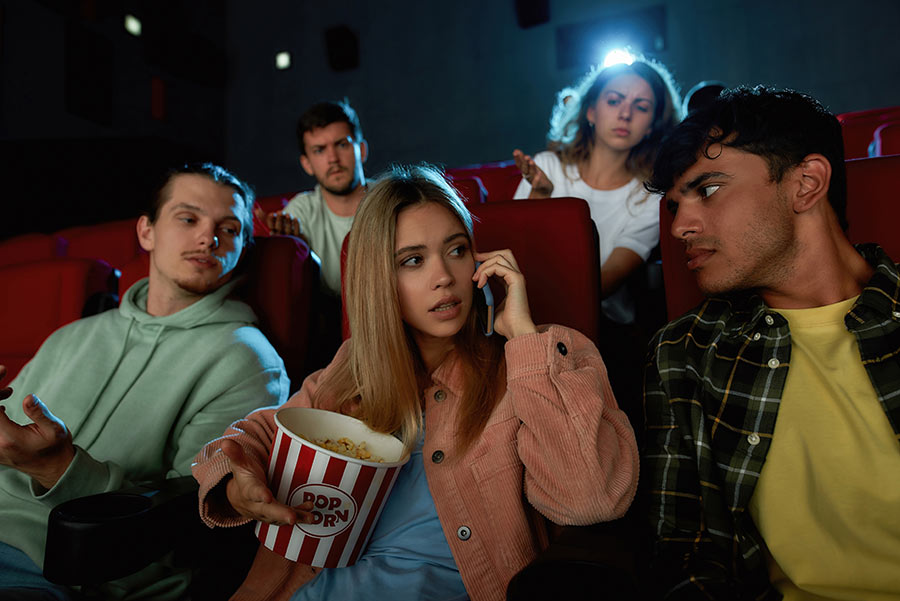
(872, 209)
(470, 188)
(886, 140)
(281, 279)
(859, 126)
(32, 247)
(682, 293)
(40, 297)
(267, 204)
(555, 244)
(114, 241)
(500, 178)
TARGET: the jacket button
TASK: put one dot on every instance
(463, 533)
(562, 349)
(753, 439)
(773, 362)
(770, 320)
(437, 456)
(440, 395)
(757, 336)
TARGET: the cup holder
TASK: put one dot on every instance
(105, 507)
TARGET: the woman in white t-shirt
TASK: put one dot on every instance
(602, 140)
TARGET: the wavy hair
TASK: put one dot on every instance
(572, 138)
(381, 378)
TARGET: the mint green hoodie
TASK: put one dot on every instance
(141, 396)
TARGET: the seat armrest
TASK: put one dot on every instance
(103, 537)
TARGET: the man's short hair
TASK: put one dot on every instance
(325, 113)
(162, 192)
(780, 126)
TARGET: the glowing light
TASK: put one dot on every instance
(617, 56)
(283, 60)
(133, 25)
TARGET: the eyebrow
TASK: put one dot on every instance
(700, 179)
(415, 247)
(621, 95)
(184, 206)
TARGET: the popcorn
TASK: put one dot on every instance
(347, 447)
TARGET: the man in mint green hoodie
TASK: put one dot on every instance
(132, 394)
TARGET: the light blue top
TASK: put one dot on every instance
(408, 558)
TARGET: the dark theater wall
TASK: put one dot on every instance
(461, 82)
(89, 112)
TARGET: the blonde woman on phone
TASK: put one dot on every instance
(502, 429)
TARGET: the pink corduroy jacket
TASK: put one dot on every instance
(557, 439)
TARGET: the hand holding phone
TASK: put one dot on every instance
(489, 304)
(513, 317)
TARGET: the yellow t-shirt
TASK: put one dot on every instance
(828, 498)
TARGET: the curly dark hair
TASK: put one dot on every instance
(781, 126)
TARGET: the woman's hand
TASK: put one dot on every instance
(513, 317)
(250, 497)
(541, 186)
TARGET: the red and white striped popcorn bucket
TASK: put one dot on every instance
(348, 494)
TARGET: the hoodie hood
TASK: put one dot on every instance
(213, 308)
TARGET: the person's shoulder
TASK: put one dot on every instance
(706, 322)
(547, 159)
(306, 199)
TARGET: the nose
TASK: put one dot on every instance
(331, 154)
(442, 276)
(625, 111)
(207, 237)
(687, 222)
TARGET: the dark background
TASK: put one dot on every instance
(89, 113)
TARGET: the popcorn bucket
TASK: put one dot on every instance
(348, 494)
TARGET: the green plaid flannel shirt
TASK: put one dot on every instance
(712, 388)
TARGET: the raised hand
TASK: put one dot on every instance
(541, 186)
(250, 496)
(280, 222)
(42, 449)
(513, 317)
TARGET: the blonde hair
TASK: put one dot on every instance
(383, 374)
(571, 137)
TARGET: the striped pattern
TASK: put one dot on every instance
(295, 468)
(712, 388)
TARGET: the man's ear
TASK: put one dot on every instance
(307, 166)
(145, 233)
(813, 175)
(363, 151)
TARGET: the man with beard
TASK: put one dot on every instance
(773, 408)
(132, 394)
(332, 150)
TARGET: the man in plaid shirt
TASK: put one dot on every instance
(773, 408)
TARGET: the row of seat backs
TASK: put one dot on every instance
(281, 285)
(859, 127)
(872, 213)
(556, 246)
(114, 241)
(499, 179)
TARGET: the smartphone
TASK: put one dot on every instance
(487, 312)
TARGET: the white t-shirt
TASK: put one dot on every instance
(325, 232)
(626, 217)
